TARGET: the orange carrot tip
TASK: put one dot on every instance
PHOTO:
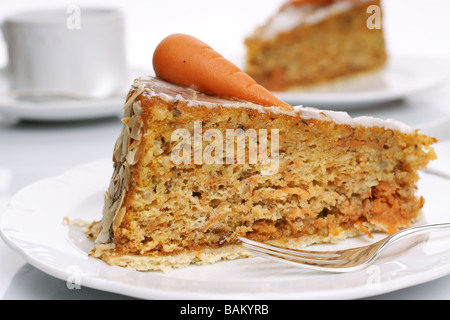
(187, 61)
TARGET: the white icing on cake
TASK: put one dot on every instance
(291, 16)
(151, 86)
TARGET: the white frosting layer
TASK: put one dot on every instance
(290, 17)
(155, 87)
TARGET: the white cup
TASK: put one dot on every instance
(70, 50)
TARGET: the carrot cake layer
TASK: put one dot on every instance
(192, 172)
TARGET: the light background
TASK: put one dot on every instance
(416, 27)
(419, 27)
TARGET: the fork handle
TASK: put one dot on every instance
(419, 229)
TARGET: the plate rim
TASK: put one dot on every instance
(361, 99)
(67, 109)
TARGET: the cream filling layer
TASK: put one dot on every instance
(171, 92)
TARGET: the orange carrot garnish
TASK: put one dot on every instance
(185, 60)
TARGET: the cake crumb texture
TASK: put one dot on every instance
(333, 181)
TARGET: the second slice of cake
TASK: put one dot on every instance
(310, 42)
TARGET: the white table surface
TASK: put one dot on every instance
(30, 151)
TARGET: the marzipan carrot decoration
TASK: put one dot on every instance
(185, 60)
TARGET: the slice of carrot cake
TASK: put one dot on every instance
(309, 42)
(193, 171)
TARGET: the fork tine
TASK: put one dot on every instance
(300, 255)
(293, 258)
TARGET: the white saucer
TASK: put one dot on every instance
(400, 78)
(63, 109)
(33, 226)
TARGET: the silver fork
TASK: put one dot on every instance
(335, 261)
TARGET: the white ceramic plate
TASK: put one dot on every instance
(60, 109)
(401, 77)
(33, 226)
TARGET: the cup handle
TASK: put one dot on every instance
(4, 70)
(3, 34)
(2, 31)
